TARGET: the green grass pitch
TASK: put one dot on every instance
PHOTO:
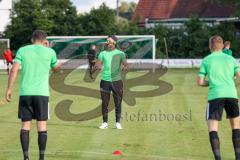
(141, 138)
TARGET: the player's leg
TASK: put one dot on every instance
(90, 67)
(25, 114)
(105, 96)
(213, 115)
(42, 115)
(8, 68)
(24, 138)
(236, 136)
(42, 138)
(117, 88)
(93, 68)
(232, 110)
(214, 139)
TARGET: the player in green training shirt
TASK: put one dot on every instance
(220, 70)
(226, 49)
(36, 61)
(112, 59)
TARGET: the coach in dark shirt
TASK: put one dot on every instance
(91, 59)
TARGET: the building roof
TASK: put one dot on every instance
(168, 9)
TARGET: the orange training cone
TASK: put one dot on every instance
(117, 153)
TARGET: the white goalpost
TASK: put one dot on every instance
(138, 48)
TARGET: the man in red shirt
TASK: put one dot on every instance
(7, 55)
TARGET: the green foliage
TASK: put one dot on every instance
(195, 39)
(63, 15)
(134, 29)
(100, 21)
(228, 32)
(191, 41)
(3, 47)
(126, 10)
(23, 22)
(161, 33)
(57, 17)
(127, 7)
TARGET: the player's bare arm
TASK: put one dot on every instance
(57, 68)
(202, 82)
(98, 65)
(125, 66)
(11, 80)
(237, 74)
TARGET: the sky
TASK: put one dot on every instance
(86, 5)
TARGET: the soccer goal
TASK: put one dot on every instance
(4, 44)
(138, 48)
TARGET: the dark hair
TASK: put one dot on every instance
(39, 35)
(113, 37)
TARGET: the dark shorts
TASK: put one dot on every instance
(33, 107)
(116, 87)
(215, 108)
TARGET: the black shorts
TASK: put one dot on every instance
(215, 108)
(33, 107)
(116, 87)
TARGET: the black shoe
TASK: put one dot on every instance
(41, 157)
(26, 158)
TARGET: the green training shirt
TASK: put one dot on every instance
(227, 51)
(36, 62)
(220, 70)
(112, 61)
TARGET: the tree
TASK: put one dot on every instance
(64, 15)
(101, 21)
(191, 41)
(57, 17)
(161, 33)
(134, 29)
(227, 30)
(126, 9)
(23, 22)
(195, 39)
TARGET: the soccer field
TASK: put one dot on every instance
(168, 126)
